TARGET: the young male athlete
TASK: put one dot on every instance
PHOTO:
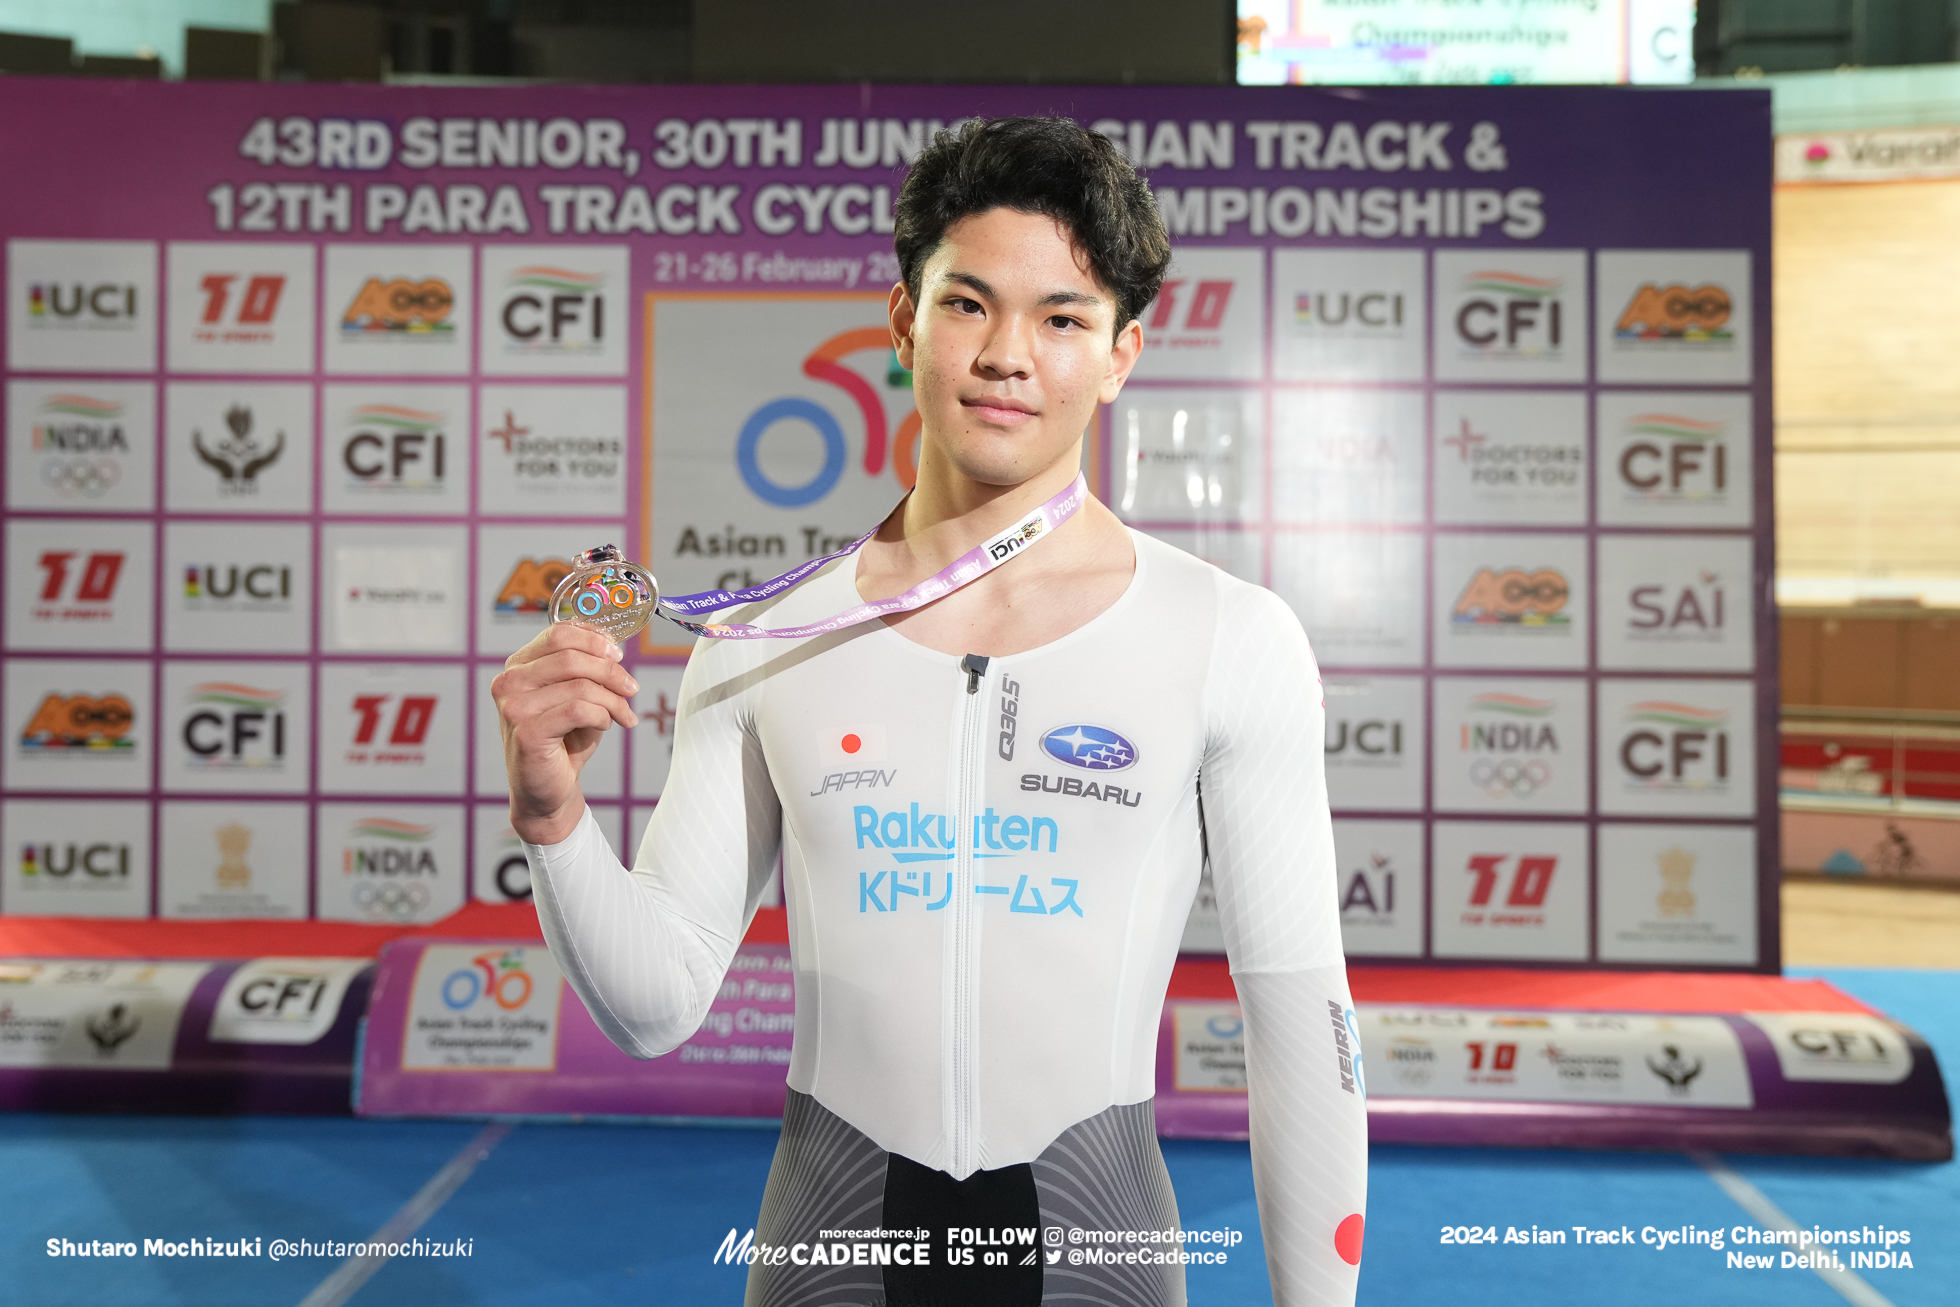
(981, 948)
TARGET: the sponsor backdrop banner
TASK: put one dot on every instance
(312, 392)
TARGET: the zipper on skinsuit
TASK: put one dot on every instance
(965, 964)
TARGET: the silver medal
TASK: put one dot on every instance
(614, 597)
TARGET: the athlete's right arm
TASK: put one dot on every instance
(645, 949)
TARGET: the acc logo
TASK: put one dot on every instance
(1676, 312)
(823, 365)
(529, 586)
(239, 458)
(416, 307)
(1675, 457)
(498, 976)
(81, 721)
(1514, 596)
(1511, 313)
(1094, 747)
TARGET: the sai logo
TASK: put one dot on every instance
(238, 458)
(823, 364)
(1675, 746)
(1676, 312)
(1361, 892)
(1514, 596)
(529, 587)
(1694, 611)
(1511, 313)
(393, 447)
(93, 723)
(1675, 457)
(400, 306)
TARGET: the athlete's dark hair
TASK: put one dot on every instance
(1051, 166)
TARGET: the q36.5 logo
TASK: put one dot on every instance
(823, 364)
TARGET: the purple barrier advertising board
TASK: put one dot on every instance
(312, 391)
(273, 1035)
(490, 1029)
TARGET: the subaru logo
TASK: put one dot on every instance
(1094, 747)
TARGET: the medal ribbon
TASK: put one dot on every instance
(967, 568)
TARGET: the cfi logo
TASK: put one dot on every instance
(1675, 746)
(261, 586)
(1691, 612)
(1094, 747)
(1675, 457)
(94, 580)
(392, 448)
(1697, 314)
(233, 313)
(235, 726)
(553, 310)
(1511, 313)
(400, 307)
(530, 585)
(97, 863)
(239, 457)
(98, 724)
(1513, 596)
(1367, 313)
(824, 363)
(76, 304)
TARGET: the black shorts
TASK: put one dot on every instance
(898, 1234)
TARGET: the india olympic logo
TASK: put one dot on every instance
(400, 902)
(1518, 779)
(823, 365)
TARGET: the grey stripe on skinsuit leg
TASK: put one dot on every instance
(1107, 1173)
(827, 1175)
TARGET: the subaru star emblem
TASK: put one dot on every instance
(1094, 747)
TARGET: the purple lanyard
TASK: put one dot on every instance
(970, 566)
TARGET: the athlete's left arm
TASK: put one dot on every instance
(1271, 845)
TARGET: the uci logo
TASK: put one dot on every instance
(102, 304)
(823, 364)
(1094, 747)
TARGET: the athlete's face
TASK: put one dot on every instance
(1012, 345)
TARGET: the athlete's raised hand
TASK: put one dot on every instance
(556, 697)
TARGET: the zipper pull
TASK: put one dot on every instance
(975, 667)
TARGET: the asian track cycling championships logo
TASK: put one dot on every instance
(824, 364)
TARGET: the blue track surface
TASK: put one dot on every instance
(610, 1214)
